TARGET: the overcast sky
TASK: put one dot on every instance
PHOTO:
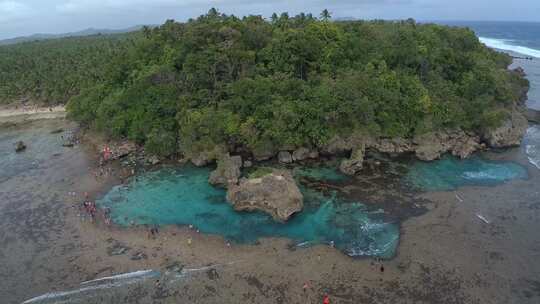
(24, 17)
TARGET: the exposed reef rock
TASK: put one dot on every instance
(206, 157)
(340, 145)
(285, 157)
(391, 145)
(227, 171)
(123, 149)
(432, 145)
(275, 193)
(510, 133)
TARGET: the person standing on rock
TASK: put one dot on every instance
(106, 153)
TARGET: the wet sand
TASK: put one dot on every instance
(446, 254)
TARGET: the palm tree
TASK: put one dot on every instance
(325, 15)
(274, 18)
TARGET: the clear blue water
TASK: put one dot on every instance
(449, 173)
(183, 196)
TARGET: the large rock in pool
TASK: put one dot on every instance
(510, 133)
(275, 193)
(227, 171)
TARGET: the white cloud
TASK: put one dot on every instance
(13, 10)
(76, 6)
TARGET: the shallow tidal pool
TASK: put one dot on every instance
(182, 196)
(450, 173)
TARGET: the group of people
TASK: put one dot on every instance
(91, 209)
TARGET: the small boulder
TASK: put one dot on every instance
(354, 164)
(300, 154)
(275, 193)
(285, 157)
(248, 164)
(153, 160)
(313, 154)
(69, 139)
(227, 171)
(304, 153)
(20, 146)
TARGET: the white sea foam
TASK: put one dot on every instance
(481, 175)
(95, 285)
(532, 147)
(504, 44)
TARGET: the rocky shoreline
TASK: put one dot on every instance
(248, 194)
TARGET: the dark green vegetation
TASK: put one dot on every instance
(292, 81)
(53, 71)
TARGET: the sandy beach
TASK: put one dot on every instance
(445, 255)
(21, 114)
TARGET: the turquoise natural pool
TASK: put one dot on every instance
(449, 173)
(182, 196)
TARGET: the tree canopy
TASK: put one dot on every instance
(287, 82)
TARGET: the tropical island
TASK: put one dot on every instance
(354, 139)
(292, 87)
(267, 86)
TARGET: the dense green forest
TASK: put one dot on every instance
(52, 71)
(285, 82)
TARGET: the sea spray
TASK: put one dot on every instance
(509, 45)
(532, 145)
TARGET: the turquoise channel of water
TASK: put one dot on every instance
(182, 196)
(450, 173)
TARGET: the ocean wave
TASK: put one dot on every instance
(505, 44)
(532, 147)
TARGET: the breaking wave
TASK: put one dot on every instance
(532, 145)
(504, 44)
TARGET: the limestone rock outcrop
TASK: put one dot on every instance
(275, 193)
(227, 171)
(510, 133)
(355, 163)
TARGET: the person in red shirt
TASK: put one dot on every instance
(106, 153)
(326, 299)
